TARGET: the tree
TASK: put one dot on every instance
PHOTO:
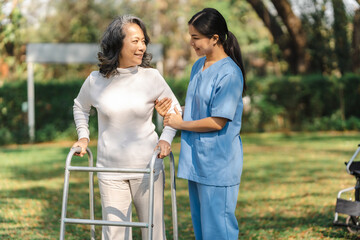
(71, 21)
(279, 36)
(68, 21)
(293, 42)
(356, 42)
(316, 23)
(297, 34)
(342, 47)
(12, 49)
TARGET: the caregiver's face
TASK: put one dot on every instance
(201, 43)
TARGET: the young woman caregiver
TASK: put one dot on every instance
(123, 91)
(211, 155)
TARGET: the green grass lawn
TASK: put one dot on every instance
(288, 190)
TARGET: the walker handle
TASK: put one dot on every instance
(76, 149)
(352, 159)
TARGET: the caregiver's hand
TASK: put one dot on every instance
(173, 120)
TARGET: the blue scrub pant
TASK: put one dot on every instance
(213, 211)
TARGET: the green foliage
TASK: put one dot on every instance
(303, 97)
(5, 136)
(12, 119)
(311, 102)
(319, 34)
(85, 21)
(53, 111)
(333, 122)
(54, 103)
(12, 48)
(73, 21)
(179, 87)
(350, 85)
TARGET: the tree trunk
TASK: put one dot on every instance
(356, 42)
(294, 27)
(342, 45)
(269, 20)
(279, 37)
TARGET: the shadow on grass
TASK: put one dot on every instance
(283, 172)
(46, 166)
(264, 225)
(298, 137)
(274, 226)
(51, 199)
(51, 169)
(45, 170)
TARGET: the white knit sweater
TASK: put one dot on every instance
(125, 105)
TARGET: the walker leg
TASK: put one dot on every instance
(173, 196)
(151, 198)
(64, 203)
(91, 199)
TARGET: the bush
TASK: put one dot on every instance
(353, 123)
(179, 88)
(333, 122)
(350, 85)
(6, 136)
(303, 98)
(47, 133)
(309, 102)
(312, 102)
(11, 116)
(53, 111)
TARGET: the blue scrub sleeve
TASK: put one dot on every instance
(226, 97)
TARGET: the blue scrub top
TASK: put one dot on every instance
(213, 158)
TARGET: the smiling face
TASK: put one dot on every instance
(201, 43)
(133, 48)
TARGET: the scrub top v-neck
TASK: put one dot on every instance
(213, 158)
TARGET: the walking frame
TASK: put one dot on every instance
(92, 222)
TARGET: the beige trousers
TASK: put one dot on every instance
(116, 200)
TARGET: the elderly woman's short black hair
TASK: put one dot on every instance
(112, 44)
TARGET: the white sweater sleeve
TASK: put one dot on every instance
(168, 133)
(81, 110)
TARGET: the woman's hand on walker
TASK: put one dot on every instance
(163, 106)
(173, 120)
(165, 148)
(83, 143)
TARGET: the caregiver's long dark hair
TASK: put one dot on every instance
(209, 22)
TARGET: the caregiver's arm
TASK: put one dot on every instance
(208, 124)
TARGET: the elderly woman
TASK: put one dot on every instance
(123, 92)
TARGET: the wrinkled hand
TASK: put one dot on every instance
(163, 106)
(165, 148)
(83, 143)
(173, 120)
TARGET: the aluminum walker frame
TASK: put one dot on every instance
(92, 222)
(350, 207)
